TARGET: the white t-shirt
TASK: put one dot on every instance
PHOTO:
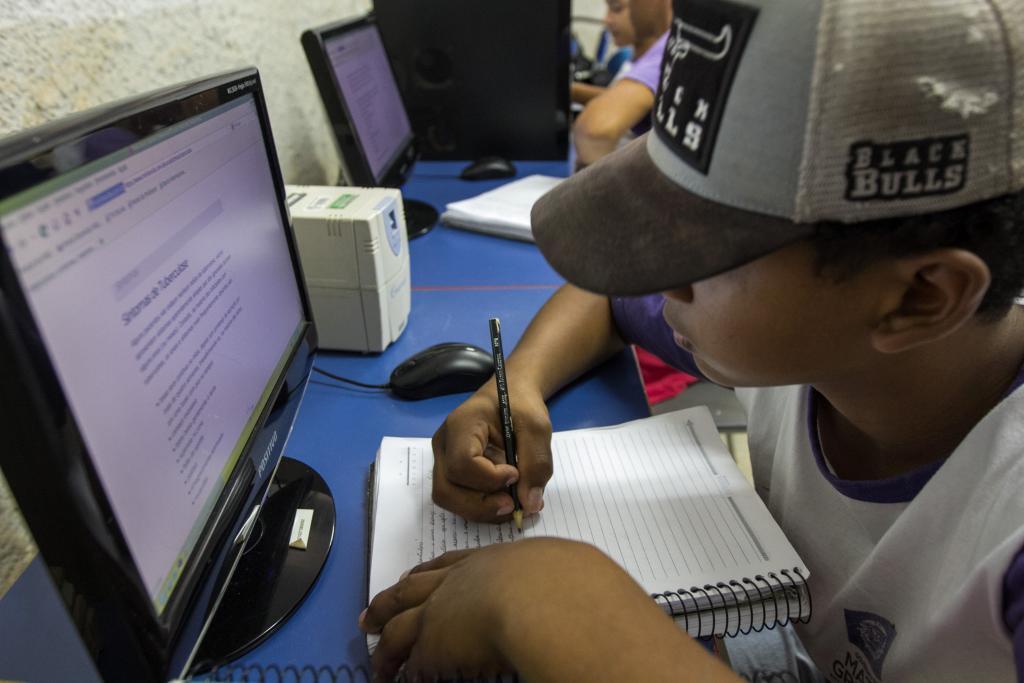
(905, 588)
(913, 578)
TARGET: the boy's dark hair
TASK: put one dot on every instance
(992, 229)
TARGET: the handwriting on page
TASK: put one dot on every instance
(439, 529)
(651, 499)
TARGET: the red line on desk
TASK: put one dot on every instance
(460, 288)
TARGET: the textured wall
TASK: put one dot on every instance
(62, 56)
(587, 32)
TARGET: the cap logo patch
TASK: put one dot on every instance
(907, 168)
(702, 52)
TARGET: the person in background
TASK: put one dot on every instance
(620, 28)
(624, 108)
(619, 113)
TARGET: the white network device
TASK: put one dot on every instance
(355, 258)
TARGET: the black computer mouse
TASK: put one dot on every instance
(448, 368)
(488, 168)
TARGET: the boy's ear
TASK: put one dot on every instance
(928, 297)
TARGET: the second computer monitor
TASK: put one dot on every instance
(375, 139)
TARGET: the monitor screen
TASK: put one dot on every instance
(162, 285)
(363, 76)
(154, 336)
(374, 136)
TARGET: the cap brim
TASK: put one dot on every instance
(621, 226)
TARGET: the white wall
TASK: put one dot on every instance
(588, 32)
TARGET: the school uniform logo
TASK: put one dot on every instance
(907, 168)
(702, 52)
(873, 636)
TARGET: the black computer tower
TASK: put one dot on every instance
(482, 77)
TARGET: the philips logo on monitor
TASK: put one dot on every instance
(238, 87)
(266, 455)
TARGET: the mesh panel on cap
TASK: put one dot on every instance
(898, 75)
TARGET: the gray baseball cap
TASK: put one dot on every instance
(772, 115)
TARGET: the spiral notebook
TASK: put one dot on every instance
(661, 496)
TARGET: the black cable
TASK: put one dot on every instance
(351, 381)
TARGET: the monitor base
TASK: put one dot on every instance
(420, 217)
(271, 578)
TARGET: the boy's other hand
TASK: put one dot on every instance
(427, 625)
(548, 608)
(450, 616)
(470, 474)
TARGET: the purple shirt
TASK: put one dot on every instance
(639, 321)
(647, 72)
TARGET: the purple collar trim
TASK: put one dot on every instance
(899, 489)
(1018, 381)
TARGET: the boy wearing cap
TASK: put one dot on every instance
(828, 210)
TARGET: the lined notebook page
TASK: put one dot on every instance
(661, 496)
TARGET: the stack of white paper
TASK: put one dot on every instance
(504, 211)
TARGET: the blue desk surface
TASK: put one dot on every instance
(339, 429)
(459, 279)
(449, 257)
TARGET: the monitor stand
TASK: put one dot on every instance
(420, 217)
(271, 579)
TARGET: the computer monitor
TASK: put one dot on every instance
(482, 78)
(374, 137)
(155, 340)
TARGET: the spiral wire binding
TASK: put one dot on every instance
(736, 599)
(725, 604)
(764, 601)
(775, 596)
(804, 618)
(287, 673)
(714, 610)
(307, 673)
(760, 601)
(733, 609)
(799, 595)
(750, 625)
(707, 598)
